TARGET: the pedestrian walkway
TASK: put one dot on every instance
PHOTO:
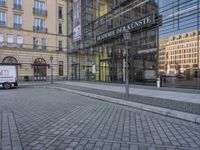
(179, 103)
(54, 117)
(183, 96)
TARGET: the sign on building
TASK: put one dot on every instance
(77, 20)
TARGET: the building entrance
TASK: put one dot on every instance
(40, 70)
(75, 72)
(105, 70)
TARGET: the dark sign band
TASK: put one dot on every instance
(131, 26)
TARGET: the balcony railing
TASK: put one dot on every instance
(1, 44)
(40, 12)
(60, 16)
(35, 46)
(44, 47)
(60, 31)
(17, 7)
(17, 26)
(2, 23)
(60, 49)
(39, 29)
(2, 4)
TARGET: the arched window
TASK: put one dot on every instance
(39, 61)
(9, 60)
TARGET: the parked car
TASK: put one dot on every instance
(8, 77)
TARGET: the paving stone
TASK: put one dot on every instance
(40, 118)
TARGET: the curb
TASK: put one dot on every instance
(163, 111)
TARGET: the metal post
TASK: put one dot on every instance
(127, 72)
(51, 74)
(51, 59)
(127, 36)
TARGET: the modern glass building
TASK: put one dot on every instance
(164, 41)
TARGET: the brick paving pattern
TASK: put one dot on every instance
(49, 119)
(169, 104)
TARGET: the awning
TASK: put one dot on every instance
(12, 64)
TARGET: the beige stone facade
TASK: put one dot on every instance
(32, 30)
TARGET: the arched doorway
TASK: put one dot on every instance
(11, 61)
(40, 70)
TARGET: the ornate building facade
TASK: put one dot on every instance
(33, 37)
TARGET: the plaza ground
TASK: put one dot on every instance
(34, 117)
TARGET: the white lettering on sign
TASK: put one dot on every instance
(133, 25)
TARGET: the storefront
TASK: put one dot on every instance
(164, 42)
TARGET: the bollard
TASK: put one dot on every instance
(158, 82)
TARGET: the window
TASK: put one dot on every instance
(18, 4)
(39, 25)
(10, 39)
(20, 41)
(17, 21)
(61, 68)
(44, 43)
(39, 5)
(10, 60)
(60, 12)
(1, 39)
(35, 42)
(60, 28)
(39, 8)
(60, 46)
(3, 18)
(2, 3)
(39, 22)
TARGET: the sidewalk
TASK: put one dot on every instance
(179, 103)
(176, 94)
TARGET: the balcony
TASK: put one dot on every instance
(2, 4)
(17, 26)
(2, 23)
(39, 29)
(40, 12)
(17, 6)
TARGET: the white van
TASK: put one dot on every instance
(8, 77)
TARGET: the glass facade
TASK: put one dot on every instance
(179, 43)
(167, 48)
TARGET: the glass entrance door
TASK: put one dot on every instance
(40, 73)
(75, 72)
(104, 71)
(40, 70)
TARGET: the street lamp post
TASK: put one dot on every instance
(127, 36)
(51, 59)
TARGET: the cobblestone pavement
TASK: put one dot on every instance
(39, 119)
